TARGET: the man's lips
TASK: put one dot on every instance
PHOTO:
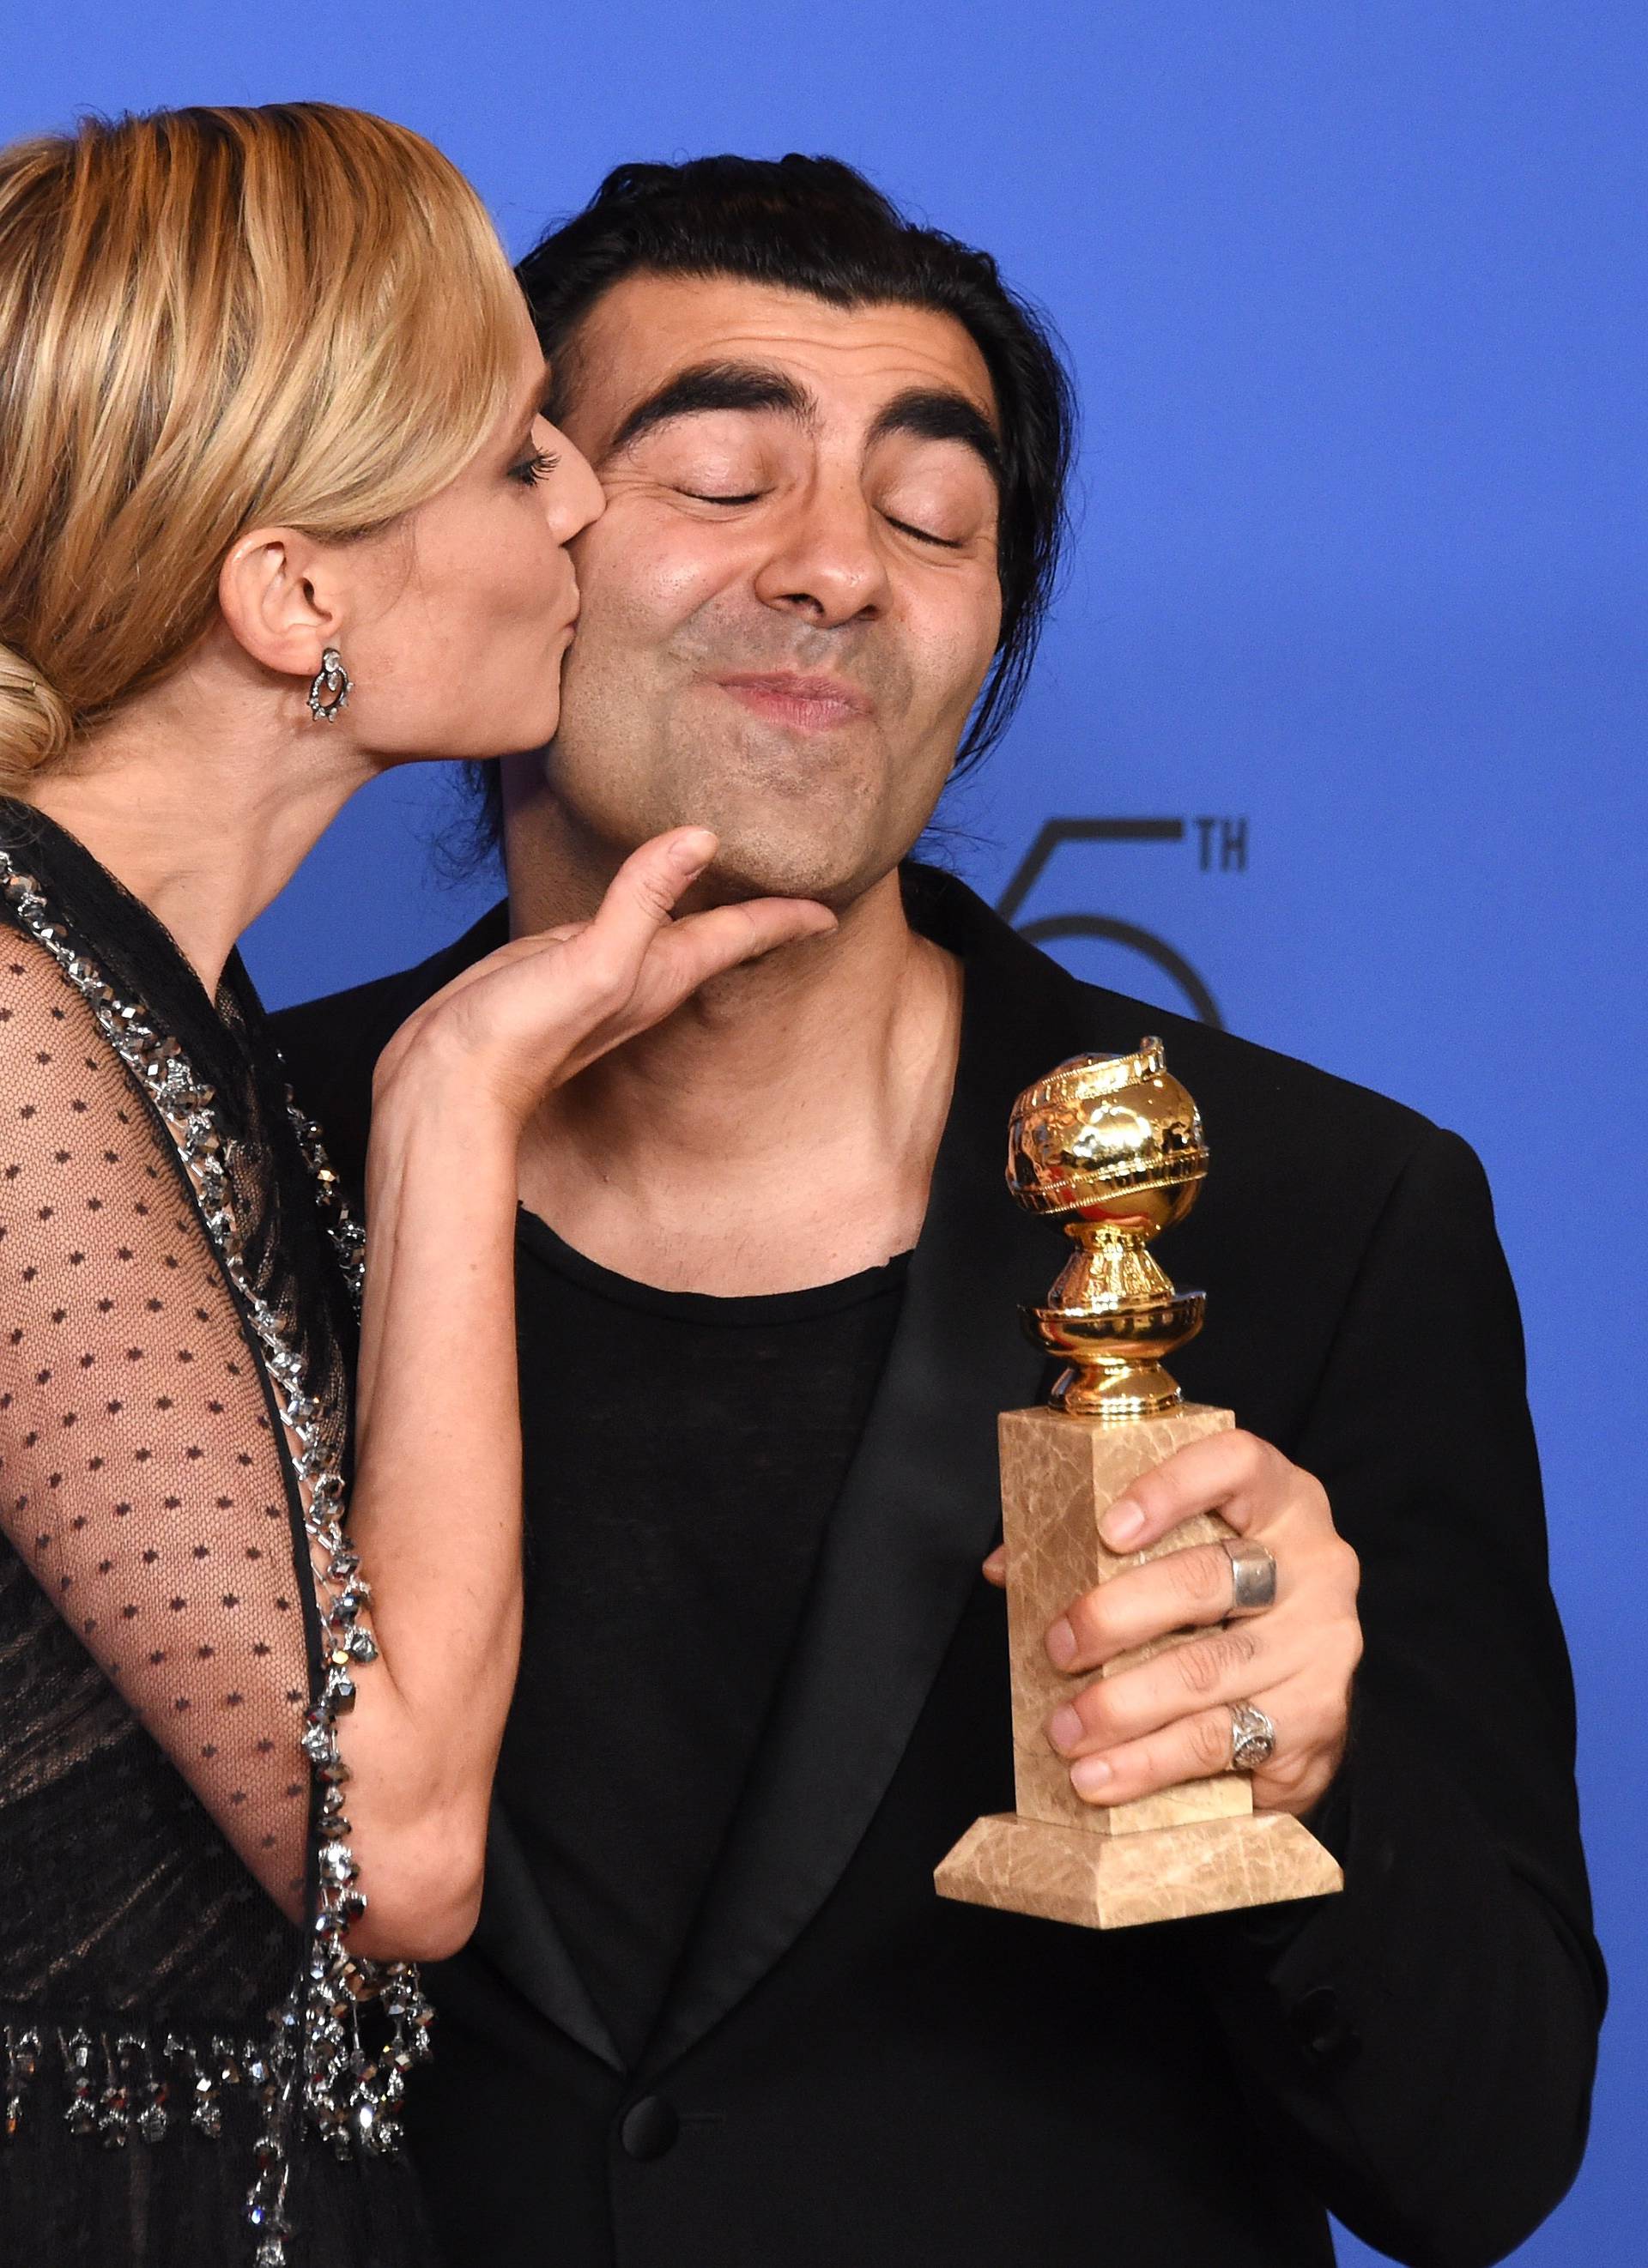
(813, 702)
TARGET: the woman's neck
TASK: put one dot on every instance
(204, 824)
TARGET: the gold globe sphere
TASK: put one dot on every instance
(1103, 1129)
(1112, 1145)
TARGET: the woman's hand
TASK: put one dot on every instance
(540, 1009)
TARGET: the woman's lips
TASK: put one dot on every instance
(814, 704)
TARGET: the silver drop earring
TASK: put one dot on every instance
(331, 688)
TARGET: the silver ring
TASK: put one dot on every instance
(1253, 1737)
(1253, 1576)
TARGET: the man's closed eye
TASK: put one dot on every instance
(905, 526)
(923, 534)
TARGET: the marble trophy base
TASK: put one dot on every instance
(1199, 1848)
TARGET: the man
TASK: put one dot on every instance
(714, 2015)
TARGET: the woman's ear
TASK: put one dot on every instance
(274, 592)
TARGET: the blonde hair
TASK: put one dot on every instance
(210, 319)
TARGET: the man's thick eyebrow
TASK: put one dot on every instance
(937, 413)
(716, 386)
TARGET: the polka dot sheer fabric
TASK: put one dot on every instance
(143, 1485)
(159, 1632)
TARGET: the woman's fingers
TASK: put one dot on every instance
(643, 955)
(644, 961)
(542, 1008)
(700, 945)
(643, 894)
(639, 903)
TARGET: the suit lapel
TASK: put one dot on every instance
(518, 1935)
(921, 1505)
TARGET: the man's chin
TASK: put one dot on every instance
(740, 872)
(772, 844)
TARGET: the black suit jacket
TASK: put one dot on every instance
(851, 2073)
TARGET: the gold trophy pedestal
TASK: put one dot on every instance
(1198, 1848)
(1114, 1145)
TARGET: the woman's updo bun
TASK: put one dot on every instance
(211, 321)
(34, 725)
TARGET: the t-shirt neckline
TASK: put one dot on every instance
(738, 1310)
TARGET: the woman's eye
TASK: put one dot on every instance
(703, 496)
(534, 468)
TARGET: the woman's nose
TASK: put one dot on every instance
(575, 496)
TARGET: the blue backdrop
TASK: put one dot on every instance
(1354, 296)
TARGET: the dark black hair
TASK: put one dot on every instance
(814, 224)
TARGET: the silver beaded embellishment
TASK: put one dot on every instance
(138, 2081)
(22, 2061)
(351, 2096)
(344, 1232)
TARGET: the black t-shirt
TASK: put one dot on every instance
(683, 1453)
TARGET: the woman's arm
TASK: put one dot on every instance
(141, 1477)
(436, 1508)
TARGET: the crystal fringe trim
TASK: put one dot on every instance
(350, 2094)
(124, 2083)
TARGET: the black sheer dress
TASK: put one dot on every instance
(188, 2077)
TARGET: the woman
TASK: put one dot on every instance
(282, 511)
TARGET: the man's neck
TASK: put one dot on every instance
(779, 1130)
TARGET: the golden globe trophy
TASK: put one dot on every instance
(1111, 1145)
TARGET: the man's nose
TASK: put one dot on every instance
(827, 562)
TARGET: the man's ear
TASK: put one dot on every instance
(278, 598)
